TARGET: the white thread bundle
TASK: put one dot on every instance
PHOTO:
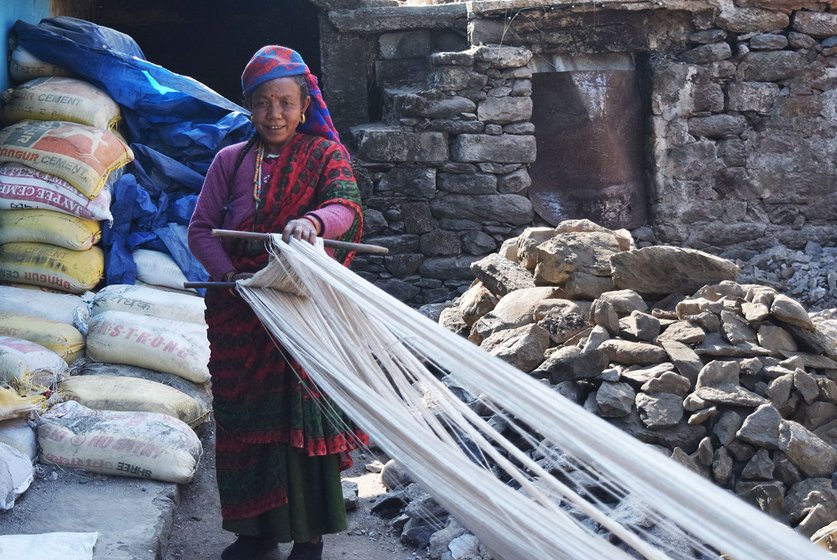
(368, 352)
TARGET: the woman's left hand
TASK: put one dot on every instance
(300, 229)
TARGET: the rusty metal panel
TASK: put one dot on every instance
(590, 142)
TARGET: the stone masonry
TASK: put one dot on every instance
(435, 100)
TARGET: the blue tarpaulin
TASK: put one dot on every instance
(174, 124)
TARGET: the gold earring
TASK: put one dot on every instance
(302, 119)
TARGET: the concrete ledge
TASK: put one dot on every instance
(132, 516)
(488, 7)
(385, 19)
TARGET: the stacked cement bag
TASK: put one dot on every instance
(135, 444)
(129, 407)
(25, 66)
(17, 444)
(160, 270)
(124, 415)
(142, 326)
(58, 153)
(49, 321)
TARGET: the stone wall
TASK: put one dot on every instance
(744, 124)
(447, 172)
(436, 103)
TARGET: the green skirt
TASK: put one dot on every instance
(315, 499)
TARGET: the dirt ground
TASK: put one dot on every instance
(197, 535)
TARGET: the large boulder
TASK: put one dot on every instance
(501, 276)
(566, 253)
(662, 270)
(522, 347)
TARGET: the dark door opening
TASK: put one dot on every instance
(212, 40)
(588, 119)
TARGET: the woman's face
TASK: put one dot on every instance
(277, 107)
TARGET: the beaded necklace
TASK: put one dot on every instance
(259, 178)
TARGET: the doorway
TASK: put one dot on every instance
(212, 40)
(589, 128)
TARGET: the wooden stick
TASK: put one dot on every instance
(332, 243)
(209, 285)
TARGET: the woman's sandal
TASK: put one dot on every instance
(307, 551)
(247, 547)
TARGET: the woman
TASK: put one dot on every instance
(279, 450)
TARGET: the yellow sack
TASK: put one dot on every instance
(112, 392)
(82, 155)
(24, 363)
(46, 226)
(58, 98)
(65, 340)
(13, 405)
(51, 266)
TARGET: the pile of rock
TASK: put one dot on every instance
(735, 381)
(809, 275)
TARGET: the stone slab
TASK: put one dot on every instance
(132, 516)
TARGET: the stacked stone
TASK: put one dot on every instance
(808, 275)
(735, 381)
(447, 178)
(743, 120)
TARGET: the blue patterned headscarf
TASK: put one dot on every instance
(273, 62)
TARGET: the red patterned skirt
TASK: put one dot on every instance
(263, 404)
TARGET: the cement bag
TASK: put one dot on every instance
(158, 269)
(49, 546)
(16, 474)
(146, 300)
(50, 266)
(25, 66)
(65, 340)
(82, 155)
(19, 434)
(117, 337)
(13, 405)
(200, 392)
(24, 188)
(135, 444)
(46, 226)
(64, 308)
(111, 392)
(59, 98)
(25, 363)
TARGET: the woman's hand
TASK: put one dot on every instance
(301, 228)
(234, 276)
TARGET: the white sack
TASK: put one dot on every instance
(49, 546)
(19, 434)
(158, 269)
(16, 474)
(135, 444)
(64, 308)
(146, 300)
(178, 347)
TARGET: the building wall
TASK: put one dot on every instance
(741, 111)
(31, 11)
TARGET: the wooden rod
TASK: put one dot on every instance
(209, 284)
(332, 243)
